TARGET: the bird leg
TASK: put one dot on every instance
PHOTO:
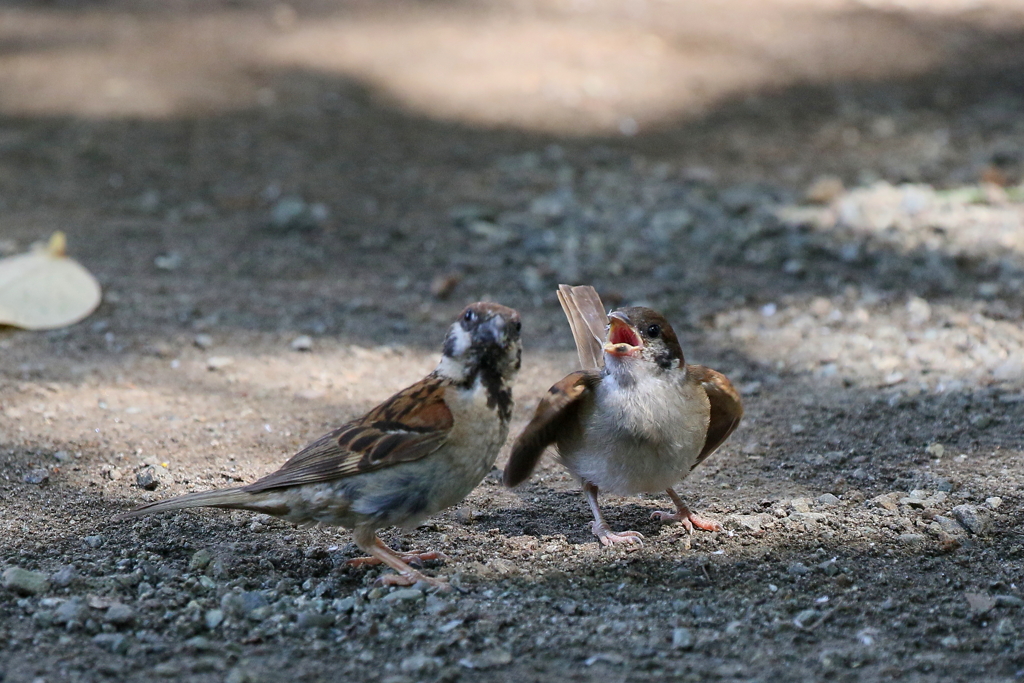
(381, 554)
(683, 514)
(600, 528)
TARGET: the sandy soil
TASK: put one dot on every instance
(823, 196)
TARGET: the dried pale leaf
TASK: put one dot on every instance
(44, 289)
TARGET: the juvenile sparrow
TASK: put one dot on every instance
(417, 453)
(637, 420)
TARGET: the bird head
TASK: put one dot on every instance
(641, 335)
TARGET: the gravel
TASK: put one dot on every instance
(973, 519)
(24, 581)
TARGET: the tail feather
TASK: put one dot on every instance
(588, 322)
(236, 498)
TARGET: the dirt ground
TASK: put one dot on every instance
(287, 204)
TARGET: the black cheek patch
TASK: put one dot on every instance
(665, 361)
(449, 347)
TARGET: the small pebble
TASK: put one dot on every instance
(824, 190)
(302, 343)
(682, 639)
(800, 504)
(308, 620)
(798, 569)
(487, 659)
(199, 560)
(345, 605)
(37, 476)
(974, 520)
(203, 341)
(63, 577)
(169, 261)
(420, 664)
(605, 657)
(120, 614)
(981, 421)
(24, 581)
(293, 213)
(1008, 601)
(213, 618)
(806, 618)
(828, 499)
(911, 539)
(147, 479)
(403, 594)
(74, 611)
(114, 642)
(219, 362)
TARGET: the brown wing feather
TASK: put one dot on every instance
(408, 426)
(555, 412)
(588, 322)
(726, 408)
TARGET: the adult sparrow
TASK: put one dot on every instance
(637, 419)
(417, 453)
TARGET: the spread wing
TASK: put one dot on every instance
(588, 321)
(412, 424)
(555, 413)
(726, 408)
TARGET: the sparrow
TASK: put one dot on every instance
(636, 419)
(417, 453)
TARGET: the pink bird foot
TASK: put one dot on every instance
(609, 537)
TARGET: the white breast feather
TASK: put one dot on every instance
(644, 437)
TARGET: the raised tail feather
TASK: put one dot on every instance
(237, 498)
(588, 322)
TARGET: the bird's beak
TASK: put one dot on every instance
(493, 331)
(623, 339)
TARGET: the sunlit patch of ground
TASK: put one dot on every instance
(578, 68)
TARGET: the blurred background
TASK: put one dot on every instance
(363, 168)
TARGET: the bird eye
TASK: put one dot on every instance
(516, 326)
(469, 316)
(653, 331)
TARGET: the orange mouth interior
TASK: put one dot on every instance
(621, 333)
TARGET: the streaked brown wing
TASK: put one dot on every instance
(555, 412)
(408, 426)
(588, 322)
(726, 408)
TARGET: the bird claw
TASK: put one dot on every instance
(609, 537)
(688, 519)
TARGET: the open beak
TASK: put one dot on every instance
(623, 339)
